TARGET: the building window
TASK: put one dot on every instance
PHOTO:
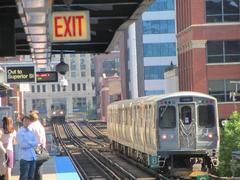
(92, 70)
(38, 88)
(154, 72)
(111, 66)
(33, 88)
(73, 87)
(73, 68)
(94, 100)
(83, 74)
(58, 87)
(43, 88)
(53, 88)
(222, 10)
(84, 87)
(82, 64)
(223, 51)
(40, 105)
(73, 65)
(78, 87)
(153, 92)
(159, 27)
(162, 5)
(73, 74)
(79, 104)
(222, 89)
(159, 49)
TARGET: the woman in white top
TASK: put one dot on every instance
(2, 158)
(8, 139)
(37, 128)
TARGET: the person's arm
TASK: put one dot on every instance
(14, 137)
(43, 136)
(25, 141)
(2, 149)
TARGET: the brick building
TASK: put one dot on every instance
(208, 43)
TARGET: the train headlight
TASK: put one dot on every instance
(210, 135)
(61, 112)
(163, 136)
(54, 112)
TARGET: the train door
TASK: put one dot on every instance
(187, 126)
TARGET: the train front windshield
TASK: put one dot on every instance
(167, 117)
(206, 116)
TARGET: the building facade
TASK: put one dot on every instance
(77, 98)
(209, 50)
(107, 67)
(151, 46)
(159, 44)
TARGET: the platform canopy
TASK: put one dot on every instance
(108, 18)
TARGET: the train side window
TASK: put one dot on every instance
(167, 117)
(186, 115)
(206, 116)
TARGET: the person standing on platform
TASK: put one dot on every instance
(26, 142)
(37, 128)
(2, 158)
(8, 139)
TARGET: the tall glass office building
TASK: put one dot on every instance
(150, 47)
(159, 44)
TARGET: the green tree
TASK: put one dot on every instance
(229, 141)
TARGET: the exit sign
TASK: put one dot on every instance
(68, 26)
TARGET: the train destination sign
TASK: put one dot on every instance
(47, 76)
(70, 26)
(20, 74)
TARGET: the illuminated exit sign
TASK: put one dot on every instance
(70, 26)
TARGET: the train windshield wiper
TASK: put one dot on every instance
(163, 111)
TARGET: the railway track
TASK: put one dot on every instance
(92, 164)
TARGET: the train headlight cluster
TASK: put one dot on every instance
(167, 136)
(54, 112)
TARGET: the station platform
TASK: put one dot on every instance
(56, 168)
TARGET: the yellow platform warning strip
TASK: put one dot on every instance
(198, 173)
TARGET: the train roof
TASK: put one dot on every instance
(154, 98)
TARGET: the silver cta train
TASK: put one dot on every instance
(168, 132)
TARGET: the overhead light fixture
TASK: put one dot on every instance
(37, 29)
(39, 38)
(62, 67)
(36, 17)
(33, 3)
(68, 2)
(39, 45)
